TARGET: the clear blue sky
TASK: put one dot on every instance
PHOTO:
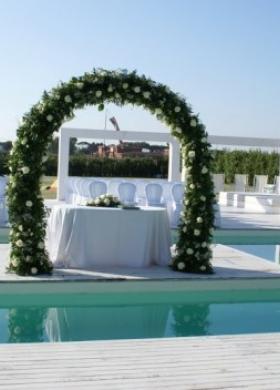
(222, 55)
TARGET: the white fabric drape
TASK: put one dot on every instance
(83, 237)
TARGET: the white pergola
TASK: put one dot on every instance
(67, 133)
(174, 173)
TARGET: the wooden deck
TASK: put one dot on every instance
(195, 363)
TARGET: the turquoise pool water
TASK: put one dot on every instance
(266, 252)
(106, 316)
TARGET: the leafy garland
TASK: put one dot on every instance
(27, 214)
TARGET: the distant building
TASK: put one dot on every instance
(124, 150)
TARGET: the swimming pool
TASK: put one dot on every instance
(158, 310)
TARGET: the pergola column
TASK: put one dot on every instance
(174, 161)
(63, 164)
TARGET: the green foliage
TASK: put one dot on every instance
(252, 162)
(26, 207)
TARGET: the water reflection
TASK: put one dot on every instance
(26, 324)
(37, 324)
(190, 320)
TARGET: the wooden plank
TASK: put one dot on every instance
(196, 363)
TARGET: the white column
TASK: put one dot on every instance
(174, 161)
(63, 162)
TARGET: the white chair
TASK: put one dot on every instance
(219, 182)
(127, 193)
(177, 192)
(97, 188)
(240, 182)
(260, 181)
(153, 193)
(3, 207)
(113, 186)
(141, 198)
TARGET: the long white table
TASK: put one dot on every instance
(84, 237)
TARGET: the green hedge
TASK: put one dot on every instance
(253, 162)
(128, 167)
(228, 162)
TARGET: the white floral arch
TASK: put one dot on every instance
(26, 206)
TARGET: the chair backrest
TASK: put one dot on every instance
(113, 186)
(3, 184)
(153, 194)
(97, 188)
(240, 182)
(219, 182)
(77, 185)
(260, 181)
(177, 192)
(127, 192)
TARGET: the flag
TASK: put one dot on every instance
(114, 122)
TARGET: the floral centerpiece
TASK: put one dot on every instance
(106, 200)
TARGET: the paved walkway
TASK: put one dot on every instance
(228, 263)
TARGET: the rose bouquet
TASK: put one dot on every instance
(104, 201)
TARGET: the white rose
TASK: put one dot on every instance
(178, 130)
(190, 251)
(97, 201)
(146, 94)
(203, 198)
(80, 85)
(19, 243)
(204, 170)
(199, 220)
(49, 118)
(192, 186)
(185, 229)
(68, 99)
(28, 203)
(110, 88)
(202, 268)
(204, 140)
(181, 266)
(25, 170)
(177, 109)
(173, 250)
(117, 95)
(196, 232)
(28, 259)
(191, 154)
(107, 202)
(17, 330)
(44, 159)
(98, 93)
(125, 85)
(20, 228)
(193, 122)
(158, 111)
(14, 262)
(41, 245)
(211, 231)
(186, 202)
(24, 141)
(204, 244)
(137, 89)
(34, 270)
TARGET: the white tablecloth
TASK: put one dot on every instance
(83, 237)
